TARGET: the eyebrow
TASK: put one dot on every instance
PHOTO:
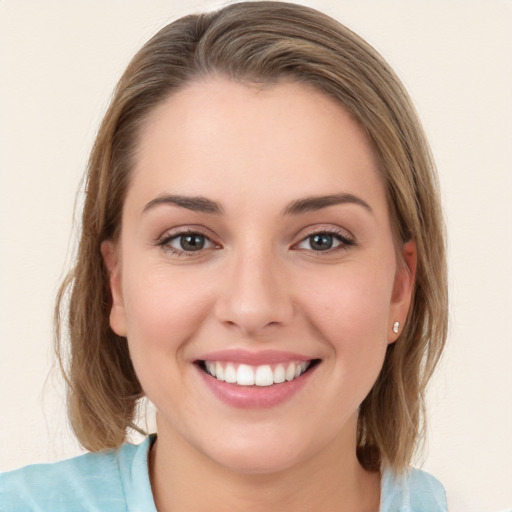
(297, 207)
(196, 204)
(314, 203)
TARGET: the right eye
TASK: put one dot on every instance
(183, 244)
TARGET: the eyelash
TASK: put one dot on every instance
(166, 239)
(344, 242)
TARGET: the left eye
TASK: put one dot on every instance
(323, 242)
(189, 242)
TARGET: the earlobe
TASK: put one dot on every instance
(403, 290)
(112, 263)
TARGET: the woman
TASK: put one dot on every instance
(262, 257)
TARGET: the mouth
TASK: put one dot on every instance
(264, 375)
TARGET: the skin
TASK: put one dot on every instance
(258, 284)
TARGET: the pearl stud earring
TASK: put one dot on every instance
(396, 326)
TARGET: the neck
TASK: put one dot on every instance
(184, 479)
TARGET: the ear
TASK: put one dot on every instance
(403, 290)
(117, 313)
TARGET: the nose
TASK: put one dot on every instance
(256, 295)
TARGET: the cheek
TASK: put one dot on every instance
(350, 311)
(357, 301)
(162, 310)
(347, 310)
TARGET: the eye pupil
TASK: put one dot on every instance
(192, 242)
(321, 242)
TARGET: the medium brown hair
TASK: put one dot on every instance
(259, 42)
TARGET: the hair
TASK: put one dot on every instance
(260, 42)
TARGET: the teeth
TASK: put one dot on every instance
(279, 374)
(211, 368)
(245, 375)
(219, 371)
(290, 372)
(263, 375)
(230, 373)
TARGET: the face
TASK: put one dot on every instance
(255, 277)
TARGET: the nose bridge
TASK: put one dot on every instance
(256, 294)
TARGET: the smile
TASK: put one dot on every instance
(250, 380)
(261, 375)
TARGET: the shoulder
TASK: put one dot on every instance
(412, 491)
(94, 481)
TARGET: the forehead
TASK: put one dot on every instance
(222, 139)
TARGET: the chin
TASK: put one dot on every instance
(260, 452)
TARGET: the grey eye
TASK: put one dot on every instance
(325, 241)
(321, 241)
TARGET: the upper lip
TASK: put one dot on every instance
(253, 358)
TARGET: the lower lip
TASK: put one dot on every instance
(255, 397)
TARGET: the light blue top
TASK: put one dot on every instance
(118, 481)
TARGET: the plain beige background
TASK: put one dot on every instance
(59, 62)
